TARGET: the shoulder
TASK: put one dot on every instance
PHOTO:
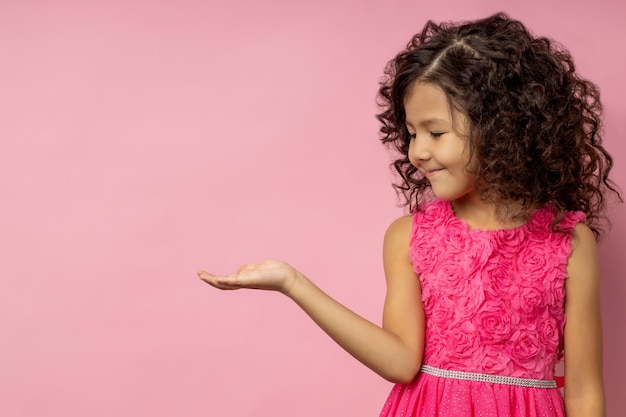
(583, 271)
(400, 228)
(403, 228)
(583, 242)
(582, 235)
(396, 245)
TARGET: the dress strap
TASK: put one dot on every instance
(495, 379)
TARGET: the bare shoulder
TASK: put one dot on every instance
(583, 261)
(396, 250)
(399, 230)
(583, 237)
(583, 277)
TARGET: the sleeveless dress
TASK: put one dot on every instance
(494, 306)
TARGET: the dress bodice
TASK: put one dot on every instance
(493, 299)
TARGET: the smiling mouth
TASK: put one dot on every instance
(432, 172)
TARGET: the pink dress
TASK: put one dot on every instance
(494, 305)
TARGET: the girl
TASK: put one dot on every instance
(501, 162)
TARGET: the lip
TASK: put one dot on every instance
(431, 173)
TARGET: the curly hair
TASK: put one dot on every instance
(535, 125)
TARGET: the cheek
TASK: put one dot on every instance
(458, 157)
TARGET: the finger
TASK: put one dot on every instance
(223, 282)
(222, 286)
(212, 278)
(205, 276)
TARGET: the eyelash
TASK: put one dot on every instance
(434, 135)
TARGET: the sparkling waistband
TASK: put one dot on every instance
(496, 379)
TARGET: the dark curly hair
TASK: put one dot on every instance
(535, 126)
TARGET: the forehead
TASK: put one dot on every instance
(426, 101)
(426, 104)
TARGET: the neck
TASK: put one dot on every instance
(479, 214)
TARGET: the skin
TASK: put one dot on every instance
(394, 350)
(584, 390)
(438, 147)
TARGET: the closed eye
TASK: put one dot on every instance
(411, 136)
(436, 134)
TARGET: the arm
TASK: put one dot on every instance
(584, 392)
(393, 351)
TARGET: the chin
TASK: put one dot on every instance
(450, 196)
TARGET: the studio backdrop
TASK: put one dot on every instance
(143, 140)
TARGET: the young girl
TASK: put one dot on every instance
(502, 166)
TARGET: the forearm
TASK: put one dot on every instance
(381, 350)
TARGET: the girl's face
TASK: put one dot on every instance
(438, 149)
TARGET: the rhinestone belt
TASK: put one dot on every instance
(496, 379)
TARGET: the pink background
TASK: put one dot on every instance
(143, 140)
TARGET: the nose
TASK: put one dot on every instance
(419, 150)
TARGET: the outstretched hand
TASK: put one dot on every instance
(268, 275)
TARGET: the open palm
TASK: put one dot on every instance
(268, 275)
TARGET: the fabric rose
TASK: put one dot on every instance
(426, 254)
(495, 321)
(451, 279)
(571, 219)
(498, 281)
(443, 315)
(435, 212)
(428, 298)
(524, 351)
(477, 254)
(532, 261)
(454, 239)
(462, 345)
(554, 284)
(531, 296)
(432, 345)
(495, 361)
(549, 333)
(507, 242)
(474, 297)
(541, 219)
